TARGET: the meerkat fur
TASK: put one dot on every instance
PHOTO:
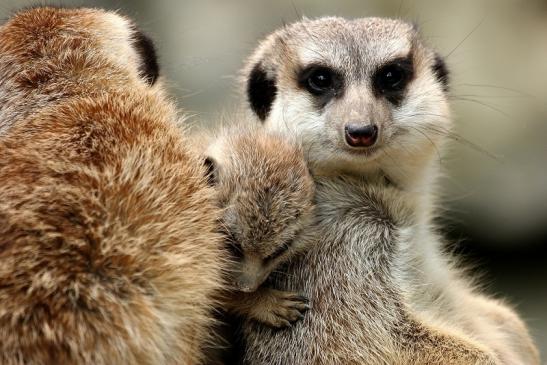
(109, 251)
(265, 191)
(369, 102)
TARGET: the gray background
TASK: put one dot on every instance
(494, 210)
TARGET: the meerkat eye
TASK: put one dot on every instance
(232, 245)
(235, 250)
(320, 80)
(392, 79)
(280, 250)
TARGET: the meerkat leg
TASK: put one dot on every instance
(274, 308)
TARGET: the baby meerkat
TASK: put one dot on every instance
(266, 191)
(109, 250)
(368, 100)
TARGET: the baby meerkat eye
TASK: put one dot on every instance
(280, 250)
(391, 79)
(320, 80)
(233, 246)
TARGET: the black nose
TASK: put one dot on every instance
(359, 135)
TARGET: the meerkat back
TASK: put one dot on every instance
(108, 245)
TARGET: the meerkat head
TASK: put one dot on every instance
(363, 95)
(266, 192)
(75, 40)
(48, 54)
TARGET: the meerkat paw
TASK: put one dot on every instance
(280, 309)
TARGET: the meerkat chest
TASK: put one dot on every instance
(348, 276)
(351, 263)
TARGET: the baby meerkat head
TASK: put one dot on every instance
(266, 191)
(359, 93)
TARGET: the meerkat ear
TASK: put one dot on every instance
(149, 67)
(261, 91)
(441, 71)
(211, 171)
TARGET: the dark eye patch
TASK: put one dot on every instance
(321, 81)
(261, 92)
(210, 171)
(441, 72)
(392, 79)
(149, 67)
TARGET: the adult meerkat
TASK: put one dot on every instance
(369, 102)
(266, 191)
(108, 246)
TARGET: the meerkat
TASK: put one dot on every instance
(266, 191)
(368, 100)
(109, 250)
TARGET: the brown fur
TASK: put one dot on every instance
(266, 192)
(108, 250)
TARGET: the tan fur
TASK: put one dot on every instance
(381, 288)
(265, 190)
(108, 245)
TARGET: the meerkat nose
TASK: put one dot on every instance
(246, 284)
(358, 135)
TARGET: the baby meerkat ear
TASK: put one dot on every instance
(211, 171)
(261, 91)
(149, 67)
(441, 71)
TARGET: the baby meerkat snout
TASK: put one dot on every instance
(266, 192)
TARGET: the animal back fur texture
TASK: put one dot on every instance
(108, 245)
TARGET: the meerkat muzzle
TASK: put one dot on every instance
(361, 135)
(247, 284)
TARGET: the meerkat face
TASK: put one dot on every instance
(358, 93)
(266, 191)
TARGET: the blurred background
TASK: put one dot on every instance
(494, 193)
